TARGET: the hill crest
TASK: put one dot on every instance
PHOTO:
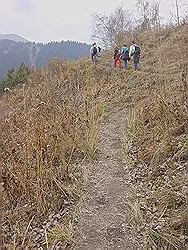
(13, 37)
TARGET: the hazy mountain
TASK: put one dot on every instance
(13, 54)
(13, 37)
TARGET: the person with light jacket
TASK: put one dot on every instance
(134, 53)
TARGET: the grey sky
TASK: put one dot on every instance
(45, 20)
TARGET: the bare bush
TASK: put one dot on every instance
(149, 14)
(179, 12)
(112, 30)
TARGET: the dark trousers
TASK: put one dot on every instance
(136, 61)
(125, 61)
(94, 58)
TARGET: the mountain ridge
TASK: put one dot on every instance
(13, 37)
(32, 54)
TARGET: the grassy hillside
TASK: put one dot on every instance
(157, 129)
(51, 127)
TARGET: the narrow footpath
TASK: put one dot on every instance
(104, 219)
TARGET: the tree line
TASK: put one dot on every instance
(14, 78)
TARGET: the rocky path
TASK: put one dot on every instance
(104, 219)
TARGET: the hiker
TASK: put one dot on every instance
(134, 53)
(125, 55)
(94, 53)
(117, 58)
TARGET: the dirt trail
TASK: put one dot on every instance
(104, 219)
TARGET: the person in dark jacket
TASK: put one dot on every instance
(94, 53)
(125, 55)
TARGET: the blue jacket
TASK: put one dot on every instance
(124, 50)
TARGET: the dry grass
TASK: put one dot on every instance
(51, 127)
(157, 128)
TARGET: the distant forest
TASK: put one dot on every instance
(13, 54)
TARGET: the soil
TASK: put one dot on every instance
(104, 219)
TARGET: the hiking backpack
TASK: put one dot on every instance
(94, 52)
(125, 55)
(137, 51)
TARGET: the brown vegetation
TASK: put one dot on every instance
(157, 127)
(51, 126)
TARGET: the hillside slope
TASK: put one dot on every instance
(153, 164)
(52, 139)
(157, 140)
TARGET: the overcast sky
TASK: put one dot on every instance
(46, 20)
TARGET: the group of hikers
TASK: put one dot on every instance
(125, 54)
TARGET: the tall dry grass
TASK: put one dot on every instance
(50, 127)
(157, 129)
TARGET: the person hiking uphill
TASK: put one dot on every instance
(117, 59)
(125, 55)
(94, 53)
(134, 53)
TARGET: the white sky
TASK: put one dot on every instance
(45, 20)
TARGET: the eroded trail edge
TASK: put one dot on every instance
(104, 219)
